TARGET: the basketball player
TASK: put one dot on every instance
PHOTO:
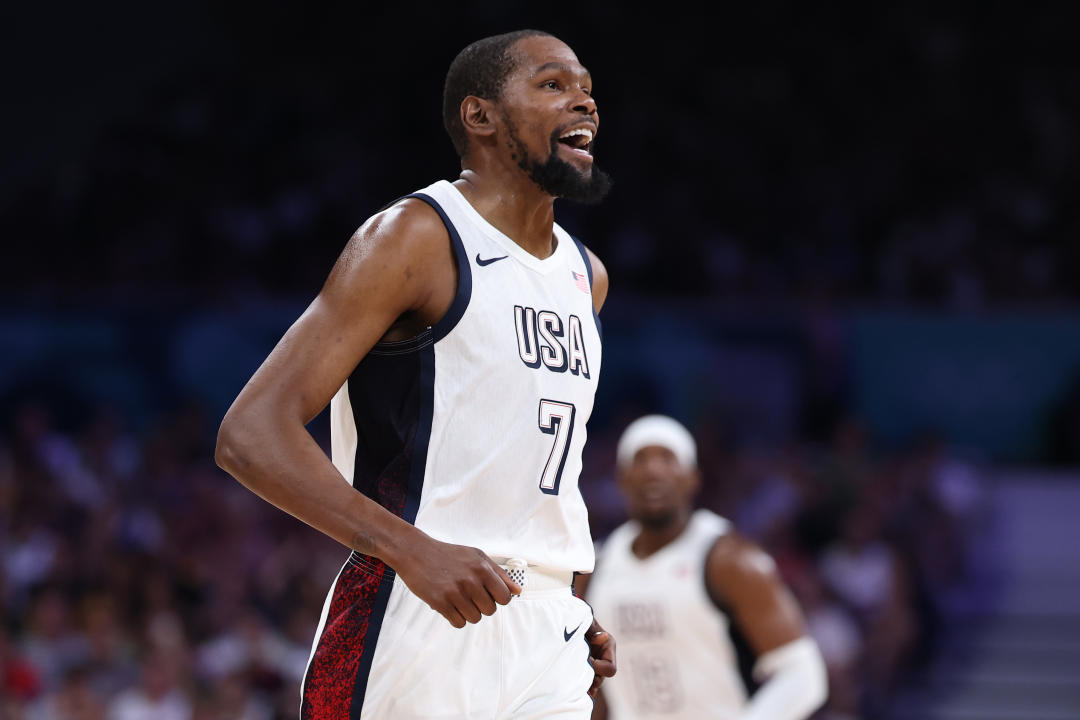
(679, 585)
(458, 341)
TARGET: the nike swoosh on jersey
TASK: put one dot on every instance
(488, 261)
(568, 635)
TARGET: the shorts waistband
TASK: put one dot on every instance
(536, 577)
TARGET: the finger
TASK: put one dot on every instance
(452, 616)
(602, 644)
(480, 597)
(604, 652)
(497, 587)
(467, 609)
(511, 586)
(602, 668)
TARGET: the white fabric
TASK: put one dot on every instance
(794, 683)
(657, 430)
(675, 657)
(500, 426)
(517, 663)
(536, 578)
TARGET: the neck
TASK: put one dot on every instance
(513, 203)
(652, 539)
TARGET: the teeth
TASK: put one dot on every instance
(579, 131)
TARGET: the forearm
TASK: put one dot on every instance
(282, 463)
(796, 683)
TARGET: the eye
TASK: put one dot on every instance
(550, 84)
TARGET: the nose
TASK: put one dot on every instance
(653, 470)
(585, 103)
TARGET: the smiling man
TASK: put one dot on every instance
(686, 594)
(457, 343)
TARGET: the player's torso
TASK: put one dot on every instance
(512, 385)
(676, 659)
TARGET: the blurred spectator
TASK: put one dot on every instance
(860, 567)
(112, 653)
(51, 643)
(159, 694)
(74, 699)
(19, 679)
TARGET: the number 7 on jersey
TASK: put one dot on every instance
(556, 418)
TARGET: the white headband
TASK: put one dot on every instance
(657, 430)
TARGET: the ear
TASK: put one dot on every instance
(478, 116)
(693, 481)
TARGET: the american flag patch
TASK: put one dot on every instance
(581, 281)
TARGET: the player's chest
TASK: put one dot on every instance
(534, 324)
(650, 602)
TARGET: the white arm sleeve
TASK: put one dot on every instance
(794, 682)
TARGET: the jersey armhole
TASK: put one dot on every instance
(589, 272)
(464, 272)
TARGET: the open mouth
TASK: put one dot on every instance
(579, 139)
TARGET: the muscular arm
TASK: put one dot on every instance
(743, 578)
(398, 264)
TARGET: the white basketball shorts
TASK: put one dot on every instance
(382, 654)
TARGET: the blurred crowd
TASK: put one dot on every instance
(901, 159)
(139, 581)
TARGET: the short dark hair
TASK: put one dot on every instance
(480, 69)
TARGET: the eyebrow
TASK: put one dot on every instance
(559, 66)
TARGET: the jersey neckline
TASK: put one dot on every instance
(543, 266)
(700, 519)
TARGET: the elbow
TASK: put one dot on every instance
(228, 452)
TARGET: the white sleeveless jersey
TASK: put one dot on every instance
(676, 657)
(473, 430)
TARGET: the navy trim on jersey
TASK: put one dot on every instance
(588, 270)
(403, 347)
(464, 285)
(422, 439)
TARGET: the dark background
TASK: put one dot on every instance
(842, 249)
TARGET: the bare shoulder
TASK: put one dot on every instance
(397, 234)
(744, 579)
(599, 280)
(734, 559)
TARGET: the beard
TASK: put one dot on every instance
(559, 178)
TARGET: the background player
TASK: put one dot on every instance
(684, 592)
(456, 336)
